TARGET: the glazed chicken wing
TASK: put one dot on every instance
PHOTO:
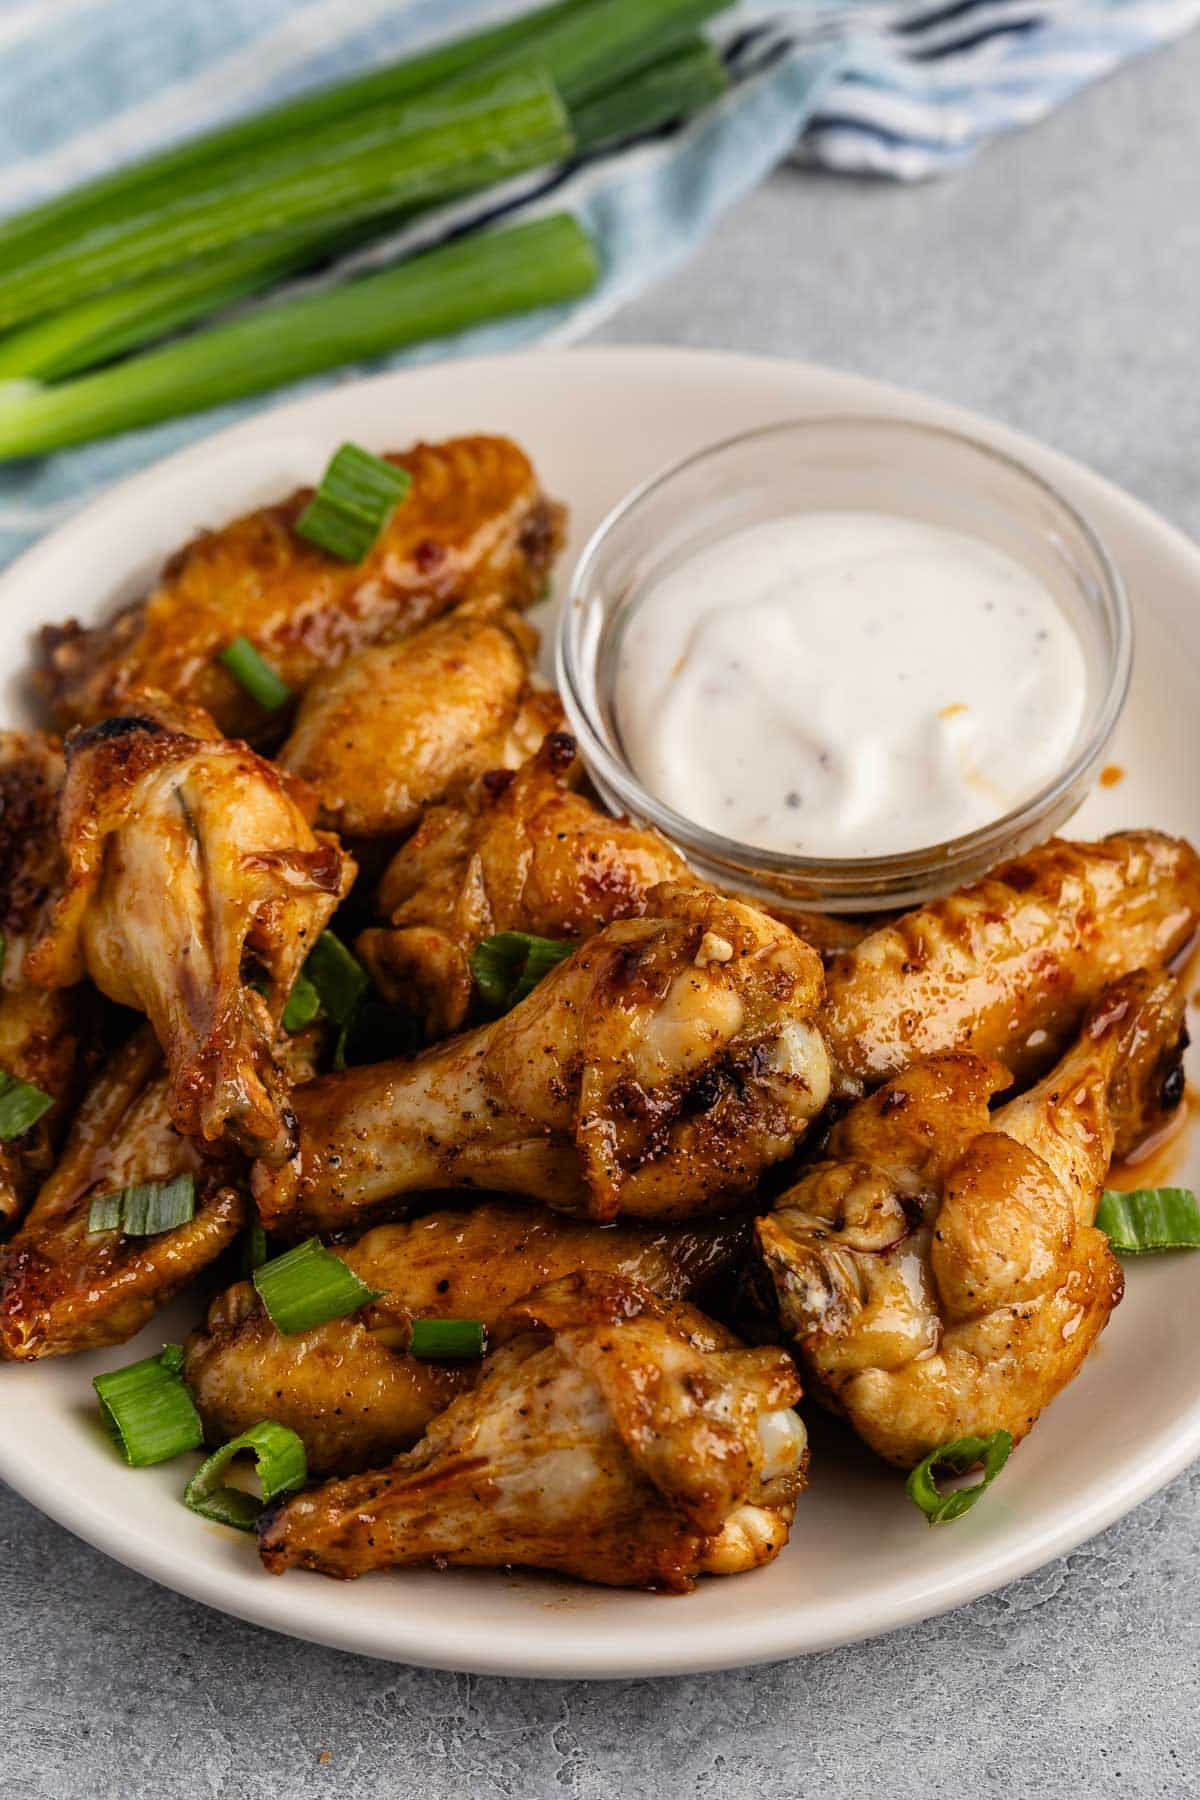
(401, 725)
(939, 1272)
(39, 1031)
(63, 1288)
(192, 871)
(656, 1072)
(1008, 966)
(474, 522)
(349, 1389)
(519, 853)
(610, 1439)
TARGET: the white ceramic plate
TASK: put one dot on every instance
(861, 1560)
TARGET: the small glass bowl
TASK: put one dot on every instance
(879, 465)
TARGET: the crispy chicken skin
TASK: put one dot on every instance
(40, 1032)
(474, 522)
(1008, 966)
(401, 725)
(610, 1438)
(518, 853)
(63, 1289)
(348, 1388)
(187, 855)
(656, 1072)
(939, 1271)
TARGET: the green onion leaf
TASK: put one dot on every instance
(375, 1033)
(256, 676)
(21, 1105)
(254, 1249)
(307, 1286)
(509, 966)
(304, 1003)
(961, 1455)
(357, 496)
(146, 1208)
(434, 1338)
(147, 1409)
(1166, 1218)
(338, 977)
(279, 1463)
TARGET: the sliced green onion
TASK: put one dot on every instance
(337, 975)
(961, 1455)
(440, 1338)
(146, 1208)
(21, 1105)
(307, 1286)
(375, 1033)
(304, 1003)
(1166, 1218)
(509, 966)
(279, 1464)
(464, 283)
(148, 1411)
(256, 676)
(357, 496)
(254, 1248)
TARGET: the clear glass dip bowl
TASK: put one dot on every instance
(858, 464)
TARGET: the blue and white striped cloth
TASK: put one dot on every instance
(897, 90)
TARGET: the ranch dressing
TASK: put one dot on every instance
(848, 684)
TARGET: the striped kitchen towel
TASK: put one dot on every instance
(896, 90)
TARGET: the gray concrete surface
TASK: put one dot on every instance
(1054, 284)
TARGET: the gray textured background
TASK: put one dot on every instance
(1054, 284)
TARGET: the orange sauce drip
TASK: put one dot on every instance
(1110, 774)
(1156, 1162)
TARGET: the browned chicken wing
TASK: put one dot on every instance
(40, 1032)
(939, 1271)
(474, 522)
(401, 725)
(611, 1439)
(192, 871)
(519, 853)
(656, 1072)
(349, 1389)
(63, 1288)
(1007, 966)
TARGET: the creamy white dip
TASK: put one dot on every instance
(848, 684)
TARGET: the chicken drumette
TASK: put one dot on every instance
(656, 1072)
(474, 522)
(192, 874)
(610, 1438)
(521, 852)
(349, 1388)
(939, 1271)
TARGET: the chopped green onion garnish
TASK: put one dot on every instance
(21, 1105)
(256, 676)
(306, 1286)
(254, 1249)
(357, 496)
(147, 1409)
(145, 1208)
(1166, 1218)
(337, 975)
(509, 966)
(279, 1463)
(961, 1455)
(304, 1003)
(375, 1033)
(432, 1338)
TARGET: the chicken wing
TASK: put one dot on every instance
(610, 1439)
(39, 1031)
(191, 871)
(401, 725)
(1008, 966)
(519, 853)
(349, 1389)
(939, 1272)
(656, 1072)
(65, 1289)
(474, 522)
